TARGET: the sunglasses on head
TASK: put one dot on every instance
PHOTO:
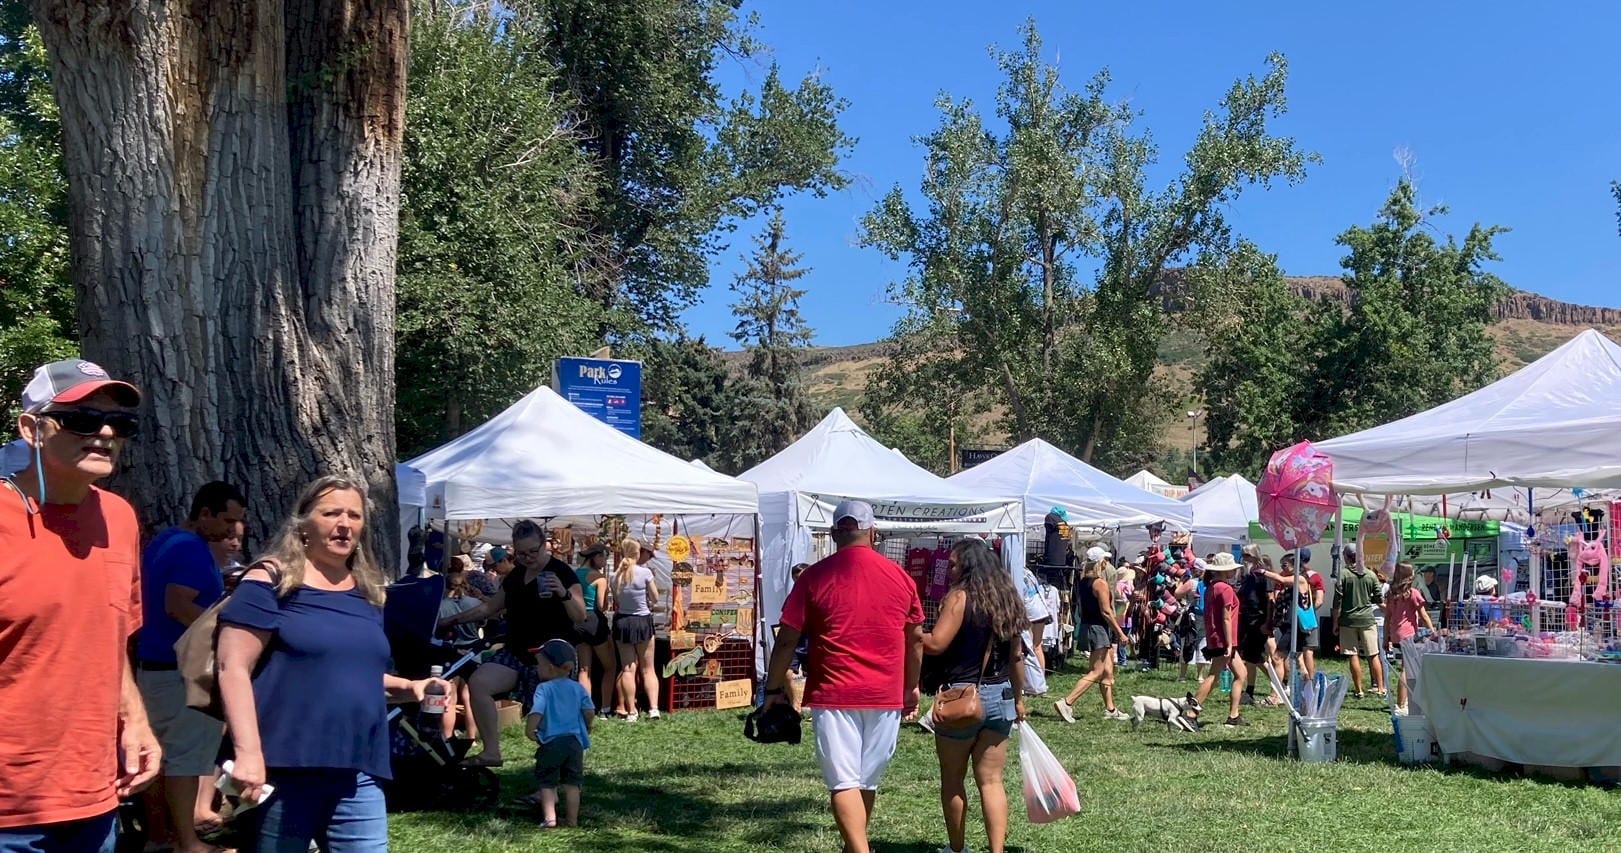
(89, 422)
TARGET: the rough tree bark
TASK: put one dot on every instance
(233, 171)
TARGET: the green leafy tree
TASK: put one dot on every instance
(773, 405)
(1416, 332)
(489, 247)
(686, 398)
(36, 293)
(1413, 336)
(679, 164)
(1263, 351)
(1035, 257)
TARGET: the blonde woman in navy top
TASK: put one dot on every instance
(302, 676)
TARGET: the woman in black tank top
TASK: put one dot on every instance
(979, 638)
(1098, 632)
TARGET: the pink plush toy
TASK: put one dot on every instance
(1585, 554)
(1378, 542)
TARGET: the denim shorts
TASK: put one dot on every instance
(997, 700)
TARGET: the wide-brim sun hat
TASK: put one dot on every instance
(1222, 562)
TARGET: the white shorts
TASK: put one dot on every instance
(854, 747)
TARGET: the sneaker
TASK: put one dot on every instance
(949, 850)
(1246, 699)
(926, 722)
(1115, 714)
(632, 717)
(653, 714)
(1235, 722)
(1065, 710)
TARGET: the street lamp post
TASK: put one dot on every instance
(1193, 424)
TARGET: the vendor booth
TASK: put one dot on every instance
(1504, 683)
(915, 510)
(544, 459)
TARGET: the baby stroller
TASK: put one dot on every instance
(428, 773)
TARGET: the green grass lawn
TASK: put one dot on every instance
(690, 782)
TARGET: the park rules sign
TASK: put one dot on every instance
(606, 389)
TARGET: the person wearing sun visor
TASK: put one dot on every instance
(69, 557)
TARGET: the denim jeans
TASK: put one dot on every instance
(90, 835)
(341, 810)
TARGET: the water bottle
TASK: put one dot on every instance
(1227, 681)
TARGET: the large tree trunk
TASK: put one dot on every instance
(233, 171)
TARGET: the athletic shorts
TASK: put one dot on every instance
(1359, 641)
(1193, 649)
(560, 761)
(190, 738)
(1252, 647)
(854, 746)
(1098, 638)
(1306, 641)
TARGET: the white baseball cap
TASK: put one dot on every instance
(1096, 553)
(861, 511)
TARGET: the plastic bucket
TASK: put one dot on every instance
(1319, 741)
(1415, 742)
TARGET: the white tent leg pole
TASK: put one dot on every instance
(1294, 648)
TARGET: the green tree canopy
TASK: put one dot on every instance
(1035, 256)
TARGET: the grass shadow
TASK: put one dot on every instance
(621, 811)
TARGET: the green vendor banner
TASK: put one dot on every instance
(1414, 528)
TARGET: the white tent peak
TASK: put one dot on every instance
(1046, 476)
(1145, 478)
(543, 456)
(1555, 422)
(837, 457)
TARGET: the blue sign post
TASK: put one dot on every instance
(605, 389)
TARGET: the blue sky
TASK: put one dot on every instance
(1510, 109)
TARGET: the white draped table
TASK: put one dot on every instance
(1546, 713)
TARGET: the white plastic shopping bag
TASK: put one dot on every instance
(1049, 792)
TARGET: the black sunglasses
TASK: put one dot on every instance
(88, 422)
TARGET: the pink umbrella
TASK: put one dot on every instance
(1296, 496)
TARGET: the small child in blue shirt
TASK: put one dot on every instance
(560, 721)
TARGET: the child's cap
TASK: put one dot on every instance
(559, 652)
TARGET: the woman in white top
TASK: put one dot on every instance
(634, 596)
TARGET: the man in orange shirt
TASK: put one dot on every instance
(69, 601)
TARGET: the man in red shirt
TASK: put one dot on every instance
(69, 601)
(865, 623)
(1221, 634)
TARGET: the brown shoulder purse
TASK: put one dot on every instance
(959, 707)
(194, 651)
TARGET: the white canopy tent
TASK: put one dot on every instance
(837, 460)
(1555, 422)
(1149, 482)
(543, 457)
(1222, 511)
(1046, 477)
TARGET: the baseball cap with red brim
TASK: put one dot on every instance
(71, 381)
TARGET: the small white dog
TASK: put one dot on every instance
(1171, 711)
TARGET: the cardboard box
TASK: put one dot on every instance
(509, 713)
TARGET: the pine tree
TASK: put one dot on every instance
(772, 406)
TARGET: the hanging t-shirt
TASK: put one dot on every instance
(940, 573)
(918, 561)
(1055, 550)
